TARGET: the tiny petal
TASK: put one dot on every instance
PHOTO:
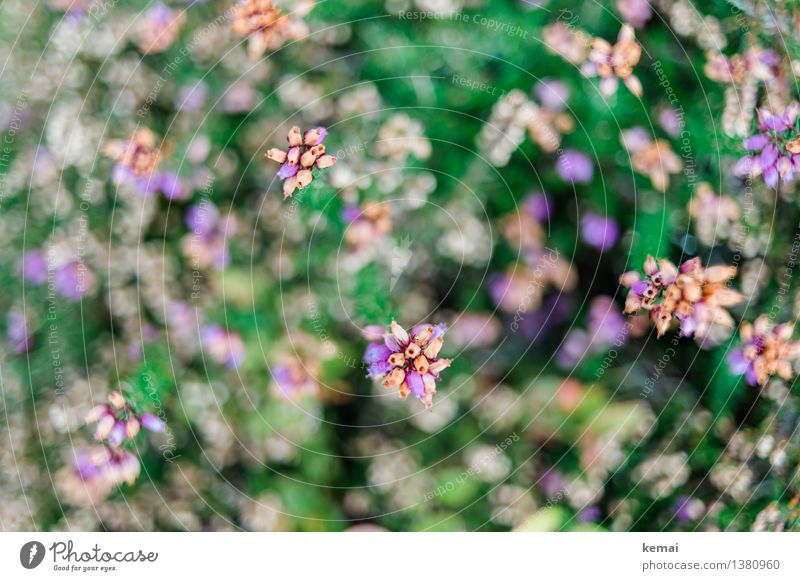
(152, 423)
(288, 170)
(326, 160)
(276, 154)
(116, 399)
(117, 434)
(415, 383)
(294, 137)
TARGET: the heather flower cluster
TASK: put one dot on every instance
(117, 421)
(96, 470)
(615, 62)
(776, 147)
(136, 164)
(766, 350)
(696, 296)
(306, 152)
(266, 26)
(407, 361)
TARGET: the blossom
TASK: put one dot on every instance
(34, 267)
(614, 62)
(158, 28)
(521, 290)
(95, 471)
(600, 232)
(409, 360)
(192, 97)
(714, 216)
(636, 12)
(117, 421)
(266, 26)
(767, 350)
(538, 206)
(778, 141)
(567, 41)
(547, 120)
(73, 8)
(653, 158)
(137, 160)
(305, 152)
(695, 295)
(505, 130)
(575, 166)
(291, 378)
(606, 326)
(401, 136)
(206, 245)
(223, 347)
(74, 279)
(19, 332)
(367, 224)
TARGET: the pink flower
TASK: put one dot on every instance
(409, 361)
(305, 153)
(117, 421)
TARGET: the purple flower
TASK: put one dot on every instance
(552, 94)
(375, 357)
(589, 514)
(538, 206)
(766, 350)
(192, 97)
(152, 423)
(95, 471)
(775, 148)
(223, 347)
(117, 421)
(598, 231)
(172, 186)
(34, 267)
(18, 332)
(606, 323)
(687, 509)
(574, 166)
(74, 280)
(574, 348)
(207, 243)
(635, 12)
(351, 213)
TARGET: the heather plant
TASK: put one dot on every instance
(399, 265)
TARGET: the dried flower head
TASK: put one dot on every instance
(137, 155)
(567, 41)
(137, 160)
(767, 350)
(95, 471)
(614, 62)
(714, 215)
(117, 421)
(548, 120)
(266, 26)
(306, 151)
(653, 158)
(695, 295)
(408, 361)
(367, 224)
(158, 28)
(223, 347)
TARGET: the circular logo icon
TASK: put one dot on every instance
(31, 554)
